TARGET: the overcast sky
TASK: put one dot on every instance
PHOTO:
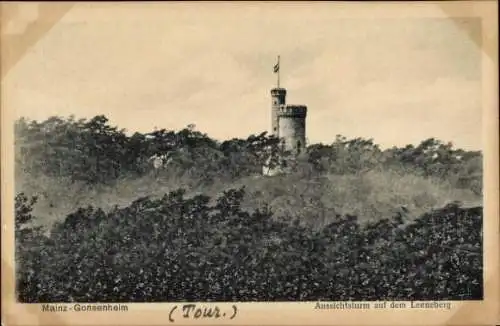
(397, 80)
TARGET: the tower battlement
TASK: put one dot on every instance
(292, 111)
(278, 91)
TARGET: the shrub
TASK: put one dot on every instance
(179, 248)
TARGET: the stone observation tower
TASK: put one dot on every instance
(288, 121)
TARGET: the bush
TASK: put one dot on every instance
(185, 249)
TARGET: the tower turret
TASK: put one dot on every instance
(278, 96)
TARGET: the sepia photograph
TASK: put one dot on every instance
(342, 156)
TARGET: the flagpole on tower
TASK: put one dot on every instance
(277, 70)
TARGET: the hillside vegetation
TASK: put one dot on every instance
(71, 163)
(351, 221)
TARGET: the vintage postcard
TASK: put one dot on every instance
(250, 163)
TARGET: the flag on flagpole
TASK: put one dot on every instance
(277, 66)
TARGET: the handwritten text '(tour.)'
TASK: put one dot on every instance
(196, 312)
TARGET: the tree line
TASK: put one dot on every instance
(95, 152)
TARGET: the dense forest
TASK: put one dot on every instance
(350, 221)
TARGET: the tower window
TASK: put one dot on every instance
(298, 147)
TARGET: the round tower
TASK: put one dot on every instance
(278, 96)
(292, 127)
